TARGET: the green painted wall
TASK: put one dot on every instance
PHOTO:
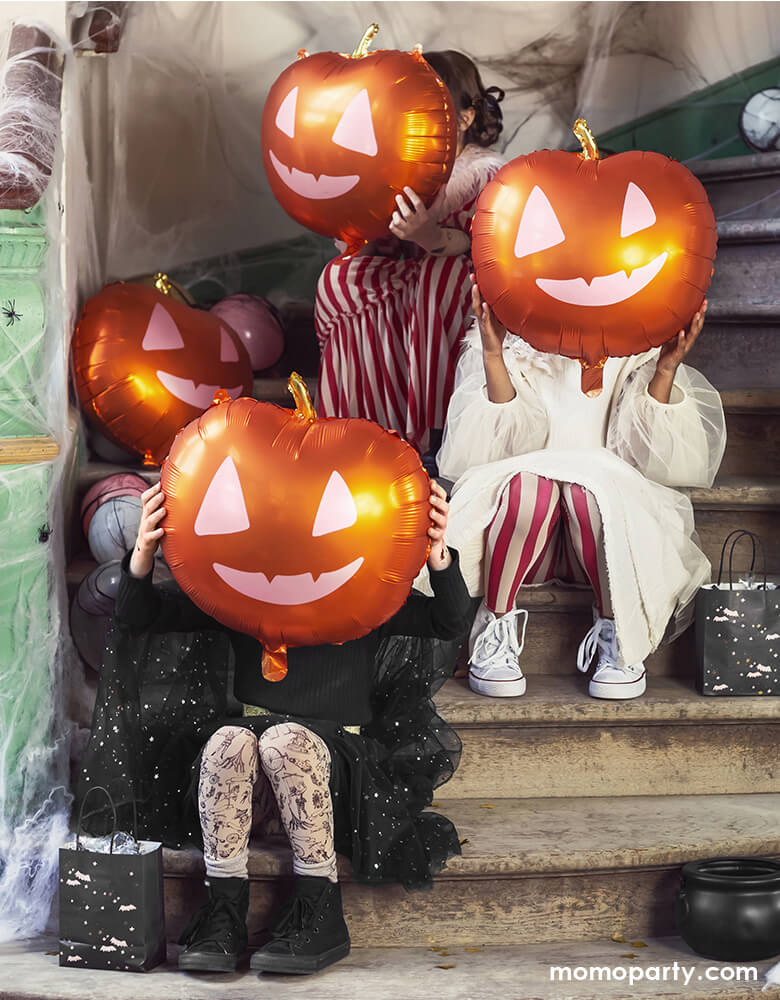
(703, 126)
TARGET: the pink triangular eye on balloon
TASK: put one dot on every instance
(227, 347)
(638, 213)
(355, 129)
(223, 511)
(285, 116)
(539, 228)
(337, 508)
(162, 334)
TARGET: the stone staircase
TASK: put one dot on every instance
(575, 815)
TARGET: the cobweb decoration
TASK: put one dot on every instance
(96, 27)
(30, 87)
(34, 677)
(35, 734)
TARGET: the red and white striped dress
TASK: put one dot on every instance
(390, 328)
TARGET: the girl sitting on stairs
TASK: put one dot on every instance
(342, 755)
(551, 485)
(391, 319)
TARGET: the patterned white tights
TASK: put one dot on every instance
(292, 793)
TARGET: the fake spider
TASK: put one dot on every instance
(10, 313)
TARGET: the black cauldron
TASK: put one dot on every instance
(729, 908)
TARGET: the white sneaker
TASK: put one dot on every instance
(495, 648)
(611, 679)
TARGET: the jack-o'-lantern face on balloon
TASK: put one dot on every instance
(594, 258)
(295, 530)
(342, 135)
(146, 365)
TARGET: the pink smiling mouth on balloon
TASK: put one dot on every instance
(200, 396)
(308, 186)
(287, 590)
(603, 290)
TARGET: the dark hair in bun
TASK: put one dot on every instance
(464, 83)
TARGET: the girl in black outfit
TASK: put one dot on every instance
(342, 755)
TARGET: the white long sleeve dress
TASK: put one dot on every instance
(623, 446)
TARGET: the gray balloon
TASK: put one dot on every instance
(92, 610)
(114, 527)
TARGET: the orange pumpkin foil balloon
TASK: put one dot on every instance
(146, 364)
(295, 530)
(343, 135)
(594, 258)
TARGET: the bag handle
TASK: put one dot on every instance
(96, 788)
(736, 535)
(102, 788)
(753, 539)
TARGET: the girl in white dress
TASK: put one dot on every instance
(550, 484)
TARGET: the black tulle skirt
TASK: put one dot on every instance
(162, 696)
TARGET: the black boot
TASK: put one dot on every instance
(216, 936)
(309, 933)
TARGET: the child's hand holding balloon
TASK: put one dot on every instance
(150, 531)
(493, 332)
(672, 355)
(439, 556)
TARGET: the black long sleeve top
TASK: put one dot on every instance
(332, 682)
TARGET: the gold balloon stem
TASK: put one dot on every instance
(589, 148)
(275, 663)
(592, 381)
(299, 392)
(162, 283)
(221, 396)
(370, 34)
(303, 53)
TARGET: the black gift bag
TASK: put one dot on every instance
(111, 905)
(738, 631)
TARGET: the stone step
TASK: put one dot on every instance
(746, 267)
(532, 870)
(740, 344)
(650, 969)
(558, 620)
(556, 741)
(739, 502)
(742, 186)
(753, 424)
(741, 351)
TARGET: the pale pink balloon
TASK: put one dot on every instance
(256, 324)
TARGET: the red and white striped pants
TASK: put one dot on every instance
(389, 332)
(543, 531)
